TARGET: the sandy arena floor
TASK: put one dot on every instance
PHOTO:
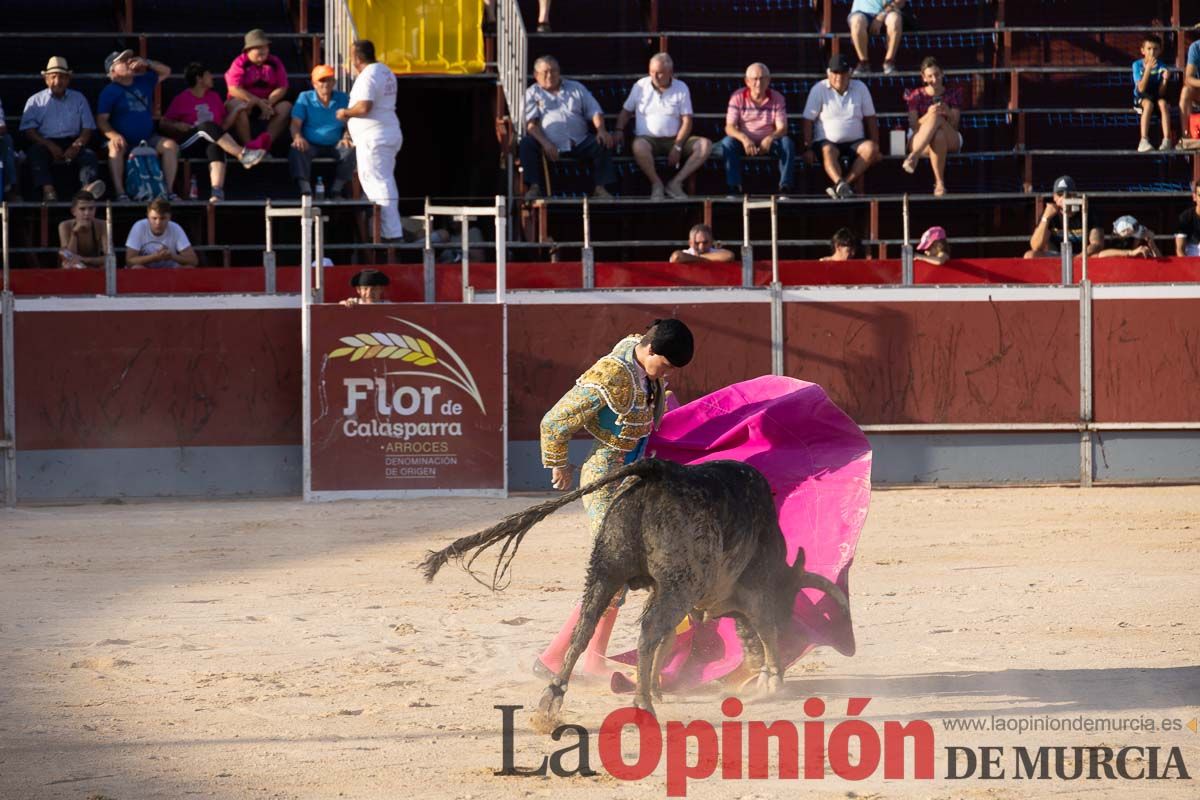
(266, 649)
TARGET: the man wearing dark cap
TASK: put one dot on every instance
(369, 284)
(124, 113)
(839, 122)
(1047, 237)
(258, 83)
(619, 400)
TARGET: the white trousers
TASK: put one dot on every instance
(377, 174)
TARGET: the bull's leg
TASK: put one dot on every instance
(666, 606)
(752, 649)
(770, 677)
(596, 598)
(660, 660)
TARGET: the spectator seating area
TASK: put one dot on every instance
(1047, 88)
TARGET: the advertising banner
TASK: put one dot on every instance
(407, 399)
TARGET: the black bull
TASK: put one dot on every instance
(704, 538)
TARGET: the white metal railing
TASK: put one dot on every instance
(511, 60)
(340, 34)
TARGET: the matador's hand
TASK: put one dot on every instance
(561, 478)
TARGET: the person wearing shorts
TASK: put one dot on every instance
(661, 107)
(839, 123)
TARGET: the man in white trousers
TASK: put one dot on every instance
(371, 119)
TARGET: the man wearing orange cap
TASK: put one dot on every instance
(318, 133)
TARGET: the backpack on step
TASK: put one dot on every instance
(143, 175)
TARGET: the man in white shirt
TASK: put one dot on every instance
(371, 120)
(839, 122)
(156, 241)
(662, 110)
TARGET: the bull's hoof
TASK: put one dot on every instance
(643, 702)
(768, 683)
(551, 700)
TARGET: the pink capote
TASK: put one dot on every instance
(818, 463)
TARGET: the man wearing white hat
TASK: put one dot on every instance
(59, 123)
(1133, 240)
(371, 120)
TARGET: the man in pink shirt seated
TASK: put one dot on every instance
(756, 125)
(258, 83)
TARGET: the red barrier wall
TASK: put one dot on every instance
(407, 279)
(91, 379)
(550, 345)
(1147, 360)
(918, 362)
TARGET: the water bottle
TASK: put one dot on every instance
(194, 189)
(320, 192)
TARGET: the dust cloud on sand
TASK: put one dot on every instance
(265, 649)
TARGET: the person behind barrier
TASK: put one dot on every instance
(756, 125)
(934, 247)
(124, 115)
(701, 247)
(1047, 237)
(839, 122)
(558, 113)
(82, 239)
(620, 401)
(843, 246)
(370, 286)
(196, 118)
(318, 133)
(372, 122)
(157, 242)
(1187, 233)
(257, 85)
(58, 122)
(1131, 240)
(661, 107)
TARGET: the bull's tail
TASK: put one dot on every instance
(811, 580)
(512, 529)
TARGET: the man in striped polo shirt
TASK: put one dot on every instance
(756, 125)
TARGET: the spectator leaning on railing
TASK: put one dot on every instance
(125, 117)
(839, 122)
(933, 119)
(318, 133)
(1187, 234)
(257, 83)
(1047, 237)
(196, 117)
(58, 123)
(82, 239)
(1133, 240)
(661, 107)
(756, 125)
(701, 247)
(934, 247)
(156, 241)
(843, 246)
(872, 16)
(558, 113)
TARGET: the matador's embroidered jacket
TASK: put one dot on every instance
(611, 402)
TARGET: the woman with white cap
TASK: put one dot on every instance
(1134, 240)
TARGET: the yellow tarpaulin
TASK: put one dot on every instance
(423, 36)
